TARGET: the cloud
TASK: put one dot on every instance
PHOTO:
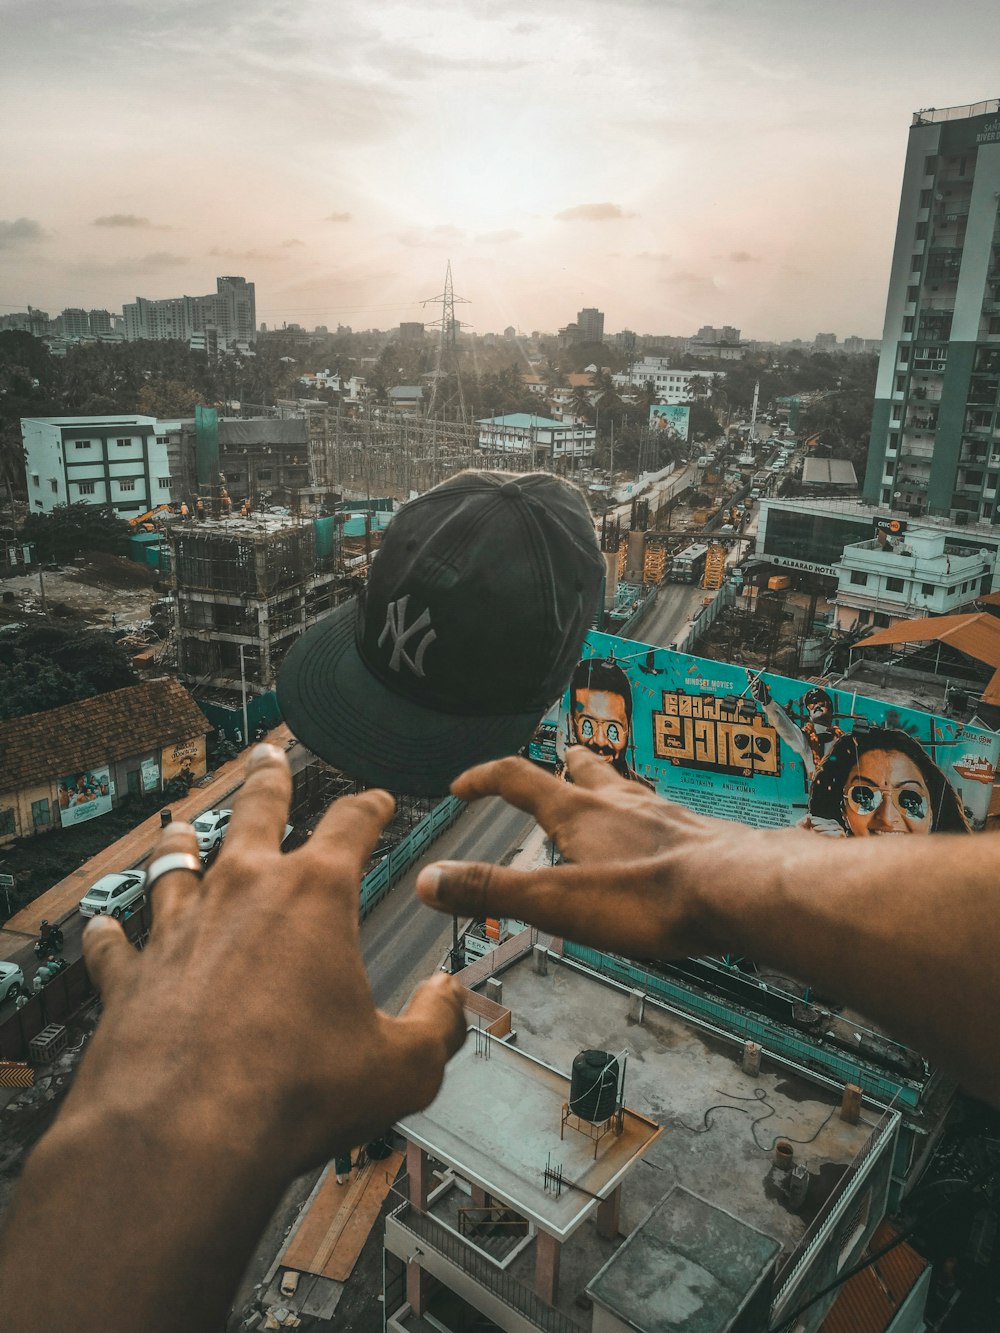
(244, 256)
(690, 282)
(654, 256)
(498, 237)
(744, 257)
(22, 231)
(337, 217)
(292, 241)
(593, 213)
(134, 266)
(436, 236)
(128, 220)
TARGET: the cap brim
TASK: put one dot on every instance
(344, 714)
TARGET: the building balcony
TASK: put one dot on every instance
(476, 1278)
(913, 483)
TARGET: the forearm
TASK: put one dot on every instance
(903, 929)
(167, 1222)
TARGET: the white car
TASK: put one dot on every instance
(113, 894)
(211, 827)
(11, 981)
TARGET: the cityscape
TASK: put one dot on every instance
(786, 455)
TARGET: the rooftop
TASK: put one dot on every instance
(498, 1121)
(526, 421)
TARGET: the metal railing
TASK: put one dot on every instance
(377, 883)
(932, 115)
(819, 1228)
(505, 1288)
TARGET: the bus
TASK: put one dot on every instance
(689, 565)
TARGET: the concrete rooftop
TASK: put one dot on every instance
(497, 1120)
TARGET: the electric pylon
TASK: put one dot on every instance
(447, 350)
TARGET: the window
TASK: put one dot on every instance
(894, 585)
(913, 293)
(858, 577)
(929, 164)
(7, 824)
(164, 483)
(40, 814)
(953, 590)
(904, 355)
(127, 484)
(921, 231)
(908, 324)
(54, 485)
(900, 383)
(927, 589)
(123, 444)
(86, 487)
(994, 327)
(35, 481)
(925, 198)
(864, 617)
(881, 621)
(81, 444)
(264, 476)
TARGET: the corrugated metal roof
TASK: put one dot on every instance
(870, 1299)
(828, 472)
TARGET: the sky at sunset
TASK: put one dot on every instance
(673, 162)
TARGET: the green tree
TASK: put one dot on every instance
(74, 528)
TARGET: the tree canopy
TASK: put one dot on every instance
(74, 528)
(46, 666)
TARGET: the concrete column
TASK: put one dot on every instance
(418, 1168)
(417, 1288)
(547, 1253)
(608, 1213)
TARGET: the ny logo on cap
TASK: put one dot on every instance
(400, 633)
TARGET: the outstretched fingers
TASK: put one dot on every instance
(423, 1039)
(110, 958)
(520, 783)
(349, 831)
(260, 809)
(615, 907)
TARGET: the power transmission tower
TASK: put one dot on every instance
(447, 351)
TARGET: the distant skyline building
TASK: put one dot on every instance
(935, 438)
(590, 322)
(229, 313)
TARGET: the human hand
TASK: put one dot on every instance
(640, 863)
(249, 1013)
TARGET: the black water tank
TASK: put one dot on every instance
(593, 1092)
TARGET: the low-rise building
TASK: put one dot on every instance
(670, 385)
(535, 439)
(887, 580)
(74, 763)
(528, 1210)
(120, 460)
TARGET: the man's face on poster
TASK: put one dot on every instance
(600, 722)
(819, 711)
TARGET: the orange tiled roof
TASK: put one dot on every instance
(976, 634)
(868, 1301)
(95, 731)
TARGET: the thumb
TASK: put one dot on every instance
(425, 1037)
(110, 958)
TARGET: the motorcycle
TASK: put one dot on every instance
(49, 943)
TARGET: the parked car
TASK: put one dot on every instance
(211, 827)
(11, 981)
(113, 894)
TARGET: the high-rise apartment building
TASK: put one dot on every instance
(223, 318)
(935, 439)
(590, 322)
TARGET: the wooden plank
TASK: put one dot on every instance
(331, 1235)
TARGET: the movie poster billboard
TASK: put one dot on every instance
(769, 751)
(185, 759)
(84, 796)
(673, 422)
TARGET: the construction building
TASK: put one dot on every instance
(935, 438)
(744, 1183)
(245, 589)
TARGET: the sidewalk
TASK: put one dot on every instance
(134, 847)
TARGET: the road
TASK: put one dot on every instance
(676, 606)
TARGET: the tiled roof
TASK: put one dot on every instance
(96, 731)
(869, 1300)
(976, 634)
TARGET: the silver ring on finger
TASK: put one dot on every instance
(173, 861)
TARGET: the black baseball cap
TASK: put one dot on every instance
(470, 626)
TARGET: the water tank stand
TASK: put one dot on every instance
(592, 1129)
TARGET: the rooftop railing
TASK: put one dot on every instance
(933, 115)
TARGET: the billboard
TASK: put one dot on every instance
(673, 422)
(185, 759)
(84, 796)
(769, 751)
